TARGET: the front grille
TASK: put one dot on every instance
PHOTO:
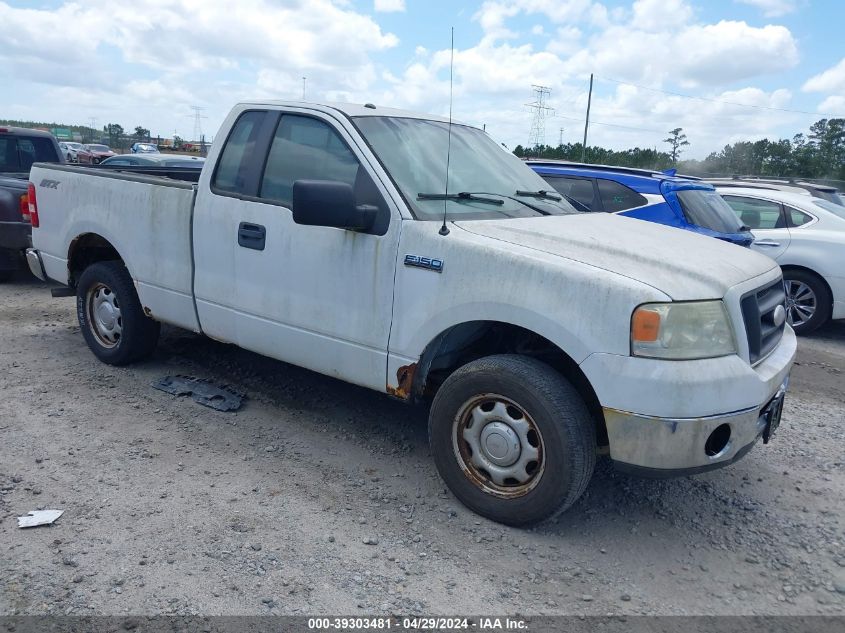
(758, 312)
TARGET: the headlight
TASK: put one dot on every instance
(682, 331)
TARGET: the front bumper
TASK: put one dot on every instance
(662, 447)
(659, 414)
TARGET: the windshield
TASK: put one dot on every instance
(17, 153)
(413, 151)
(707, 209)
(99, 148)
(836, 209)
(74, 145)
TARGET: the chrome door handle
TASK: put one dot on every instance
(766, 243)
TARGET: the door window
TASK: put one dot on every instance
(305, 149)
(618, 197)
(580, 189)
(231, 174)
(755, 213)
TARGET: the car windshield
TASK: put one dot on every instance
(147, 148)
(17, 153)
(74, 145)
(99, 148)
(836, 209)
(707, 209)
(413, 151)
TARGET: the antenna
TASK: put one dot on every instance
(444, 230)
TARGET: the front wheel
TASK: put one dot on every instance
(110, 315)
(512, 439)
(808, 301)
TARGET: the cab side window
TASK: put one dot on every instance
(232, 174)
(305, 149)
(755, 213)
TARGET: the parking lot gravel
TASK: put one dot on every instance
(318, 497)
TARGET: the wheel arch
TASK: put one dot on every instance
(86, 249)
(810, 271)
(464, 342)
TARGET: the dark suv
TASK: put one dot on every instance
(19, 149)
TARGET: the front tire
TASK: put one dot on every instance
(110, 315)
(512, 439)
(808, 301)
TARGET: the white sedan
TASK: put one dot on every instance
(806, 236)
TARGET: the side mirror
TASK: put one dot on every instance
(330, 203)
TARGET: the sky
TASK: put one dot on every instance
(758, 68)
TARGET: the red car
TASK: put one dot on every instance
(100, 152)
(76, 153)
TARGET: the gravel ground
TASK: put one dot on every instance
(320, 497)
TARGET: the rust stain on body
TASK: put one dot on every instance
(405, 379)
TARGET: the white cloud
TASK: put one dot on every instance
(831, 80)
(773, 8)
(388, 6)
(834, 104)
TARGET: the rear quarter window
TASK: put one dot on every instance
(617, 197)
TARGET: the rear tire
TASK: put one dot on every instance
(806, 291)
(110, 315)
(512, 439)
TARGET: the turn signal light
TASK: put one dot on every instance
(645, 326)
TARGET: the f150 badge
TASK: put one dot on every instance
(424, 262)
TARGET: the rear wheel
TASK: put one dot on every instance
(110, 315)
(808, 301)
(512, 439)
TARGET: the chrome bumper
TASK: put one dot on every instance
(36, 266)
(665, 447)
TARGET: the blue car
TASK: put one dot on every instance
(658, 197)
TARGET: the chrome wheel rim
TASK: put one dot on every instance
(498, 446)
(801, 302)
(104, 317)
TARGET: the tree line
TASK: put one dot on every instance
(819, 154)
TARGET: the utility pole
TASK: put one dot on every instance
(587, 121)
(92, 121)
(303, 88)
(560, 138)
(541, 111)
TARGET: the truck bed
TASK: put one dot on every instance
(146, 218)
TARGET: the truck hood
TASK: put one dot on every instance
(679, 263)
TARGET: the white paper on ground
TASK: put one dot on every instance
(39, 517)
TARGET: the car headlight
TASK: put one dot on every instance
(682, 331)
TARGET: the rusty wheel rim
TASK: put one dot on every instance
(498, 446)
(104, 317)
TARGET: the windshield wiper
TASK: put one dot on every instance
(539, 194)
(463, 195)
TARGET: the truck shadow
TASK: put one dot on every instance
(646, 507)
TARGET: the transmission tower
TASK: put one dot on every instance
(541, 111)
(198, 117)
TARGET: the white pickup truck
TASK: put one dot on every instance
(541, 336)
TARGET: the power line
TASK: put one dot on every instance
(710, 100)
(624, 127)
